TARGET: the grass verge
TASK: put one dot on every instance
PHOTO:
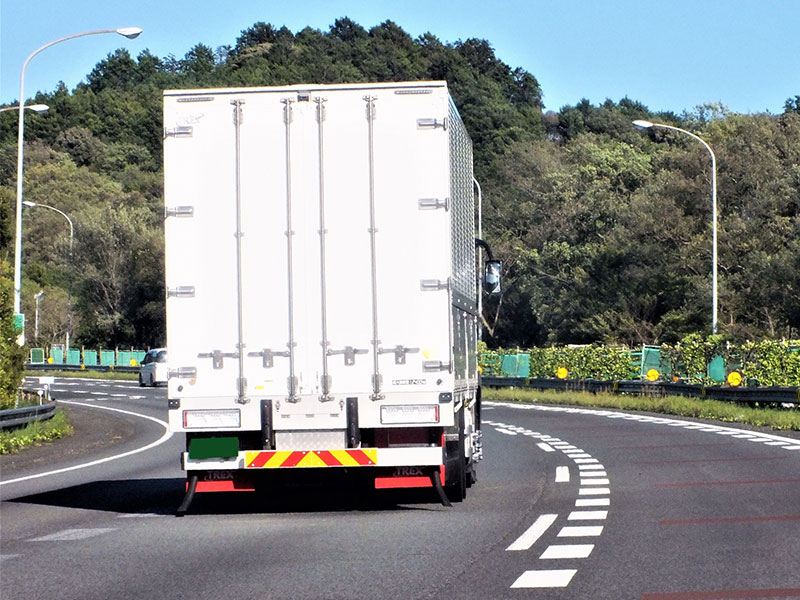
(729, 412)
(33, 434)
(85, 374)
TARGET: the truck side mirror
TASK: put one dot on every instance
(491, 279)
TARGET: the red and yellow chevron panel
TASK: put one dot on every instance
(271, 459)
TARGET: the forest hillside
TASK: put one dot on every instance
(604, 230)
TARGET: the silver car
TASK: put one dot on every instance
(154, 369)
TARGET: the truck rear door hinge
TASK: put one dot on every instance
(181, 131)
(432, 123)
(182, 291)
(349, 354)
(268, 357)
(434, 285)
(399, 353)
(430, 366)
(182, 373)
(217, 356)
(434, 203)
(182, 212)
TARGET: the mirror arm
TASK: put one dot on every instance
(480, 243)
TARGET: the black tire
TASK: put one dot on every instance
(152, 381)
(455, 467)
(141, 381)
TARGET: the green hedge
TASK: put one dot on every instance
(766, 363)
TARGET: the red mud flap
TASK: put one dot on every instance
(407, 477)
(223, 481)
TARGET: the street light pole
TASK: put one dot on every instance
(646, 125)
(71, 240)
(128, 32)
(37, 297)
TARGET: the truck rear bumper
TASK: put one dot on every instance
(351, 458)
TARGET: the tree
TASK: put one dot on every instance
(12, 356)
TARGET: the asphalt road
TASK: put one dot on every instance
(569, 504)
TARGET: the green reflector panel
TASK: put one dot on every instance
(227, 447)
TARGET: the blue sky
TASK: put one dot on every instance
(669, 54)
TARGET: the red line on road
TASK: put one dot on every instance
(657, 446)
(726, 594)
(722, 520)
(703, 460)
(681, 484)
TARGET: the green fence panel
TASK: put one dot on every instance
(37, 356)
(716, 369)
(508, 366)
(523, 365)
(651, 359)
(636, 361)
(124, 358)
(138, 356)
(73, 357)
(90, 358)
(57, 354)
(108, 358)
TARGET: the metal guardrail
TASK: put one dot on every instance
(17, 417)
(73, 368)
(747, 395)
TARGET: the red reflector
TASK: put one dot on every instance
(383, 483)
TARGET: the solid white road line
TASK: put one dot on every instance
(594, 481)
(545, 447)
(567, 551)
(562, 474)
(533, 533)
(158, 442)
(585, 461)
(594, 474)
(594, 492)
(70, 535)
(545, 579)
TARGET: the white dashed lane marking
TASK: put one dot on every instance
(580, 531)
(567, 551)
(592, 475)
(582, 502)
(599, 481)
(533, 533)
(545, 579)
(754, 436)
(587, 515)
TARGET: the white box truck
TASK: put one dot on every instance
(322, 300)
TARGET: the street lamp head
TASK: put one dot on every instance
(130, 32)
(643, 124)
(39, 108)
(28, 203)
